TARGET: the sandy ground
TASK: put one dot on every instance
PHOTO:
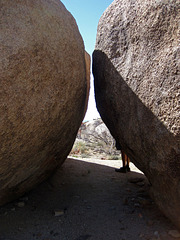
(86, 200)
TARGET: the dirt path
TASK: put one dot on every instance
(91, 201)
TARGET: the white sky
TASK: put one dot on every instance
(92, 112)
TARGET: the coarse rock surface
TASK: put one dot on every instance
(136, 69)
(43, 89)
(88, 73)
(87, 200)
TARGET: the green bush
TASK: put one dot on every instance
(100, 144)
(84, 155)
(79, 148)
(113, 157)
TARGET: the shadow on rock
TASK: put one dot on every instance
(146, 140)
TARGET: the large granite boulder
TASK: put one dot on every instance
(43, 90)
(136, 69)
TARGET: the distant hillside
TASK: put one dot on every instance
(94, 140)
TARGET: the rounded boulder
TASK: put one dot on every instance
(43, 91)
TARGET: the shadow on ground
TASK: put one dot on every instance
(91, 201)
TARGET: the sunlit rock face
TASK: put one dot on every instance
(88, 73)
(43, 89)
(136, 70)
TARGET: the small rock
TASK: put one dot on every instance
(141, 190)
(156, 234)
(144, 202)
(13, 209)
(150, 223)
(65, 209)
(141, 235)
(77, 196)
(131, 211)
(135, 179)
(174, 233)
(24, 199)
(122, 228)
(141, 184)
(20, 204)
(55, 234)
(137, 205)
(113, 208)
(88, 207)
(39, 235)
(58, 213)
(34, 208)
(113, 178)
(83, 237)
(125, 201)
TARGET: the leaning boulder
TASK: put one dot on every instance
(136, 69)
(43, 91)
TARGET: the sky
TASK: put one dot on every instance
(87, 14)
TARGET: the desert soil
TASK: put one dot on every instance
(87, 200)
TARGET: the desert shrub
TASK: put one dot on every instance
(79, 147)
(113, 157)
(84, 155)
(100, 144)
